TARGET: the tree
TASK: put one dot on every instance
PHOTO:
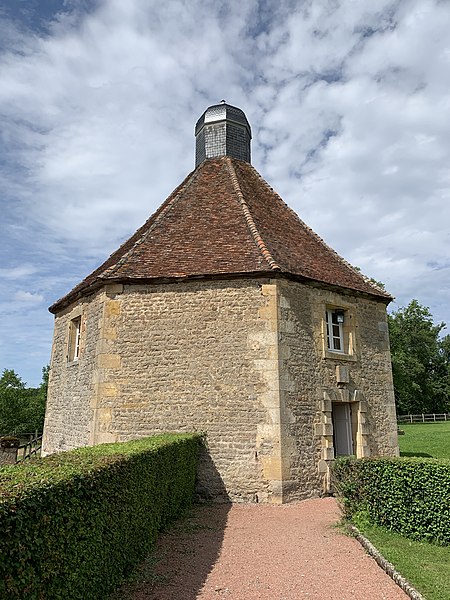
(420, 361)
(12, 401)
(22, 409)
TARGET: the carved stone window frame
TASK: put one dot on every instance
(348, 330)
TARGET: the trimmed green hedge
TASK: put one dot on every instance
(407, 495)
(73, 524)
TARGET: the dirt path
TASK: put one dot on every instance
(249, 552)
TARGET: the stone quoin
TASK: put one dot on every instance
(224, 313)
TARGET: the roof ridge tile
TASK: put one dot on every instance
(316, 236)
(249, 219)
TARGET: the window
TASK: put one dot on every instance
(335, 330)
(338, 331)
(74, 339)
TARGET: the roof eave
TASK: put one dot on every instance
(70, 298)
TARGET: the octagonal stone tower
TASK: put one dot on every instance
(225, 313)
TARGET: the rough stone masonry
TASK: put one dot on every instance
(242, 361)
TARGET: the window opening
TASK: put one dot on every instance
(335, 330)
(74, 339)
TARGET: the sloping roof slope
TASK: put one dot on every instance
(223, 219)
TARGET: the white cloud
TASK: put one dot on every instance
(17, 272)
(348, 103)
(28, 297)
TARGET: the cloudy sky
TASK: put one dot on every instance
(349, 104)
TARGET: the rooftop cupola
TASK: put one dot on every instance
(222, 130)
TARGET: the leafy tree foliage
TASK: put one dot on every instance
(22, 409)
(420, 361)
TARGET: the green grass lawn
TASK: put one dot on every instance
(425, 439)
(424, 565)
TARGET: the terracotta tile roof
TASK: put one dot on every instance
(223, 219)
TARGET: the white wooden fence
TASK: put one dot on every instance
(430, 418)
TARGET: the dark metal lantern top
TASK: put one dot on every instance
(222, 130)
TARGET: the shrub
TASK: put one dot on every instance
(72, 525)
(407, 495)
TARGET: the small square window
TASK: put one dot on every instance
(74, 339)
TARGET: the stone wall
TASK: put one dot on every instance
(299, 384)
(312, 379)
(244, 361)
(177, 357)
(196, 356)
(68, 413)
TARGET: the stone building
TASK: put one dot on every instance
(224, 313)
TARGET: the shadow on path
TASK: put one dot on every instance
(182, 557)
(186, 552)
(261, 551)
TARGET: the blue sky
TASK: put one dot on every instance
(348, 103)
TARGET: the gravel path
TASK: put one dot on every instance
(249, 552)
